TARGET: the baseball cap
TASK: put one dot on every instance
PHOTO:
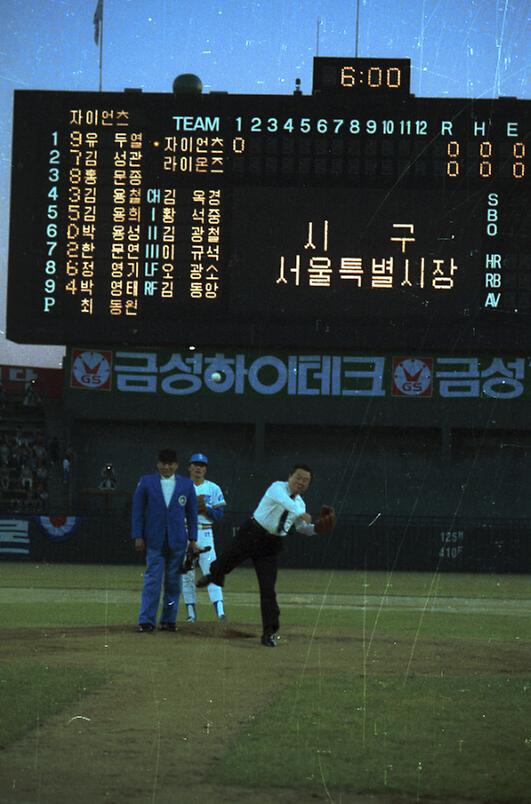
(198, 457)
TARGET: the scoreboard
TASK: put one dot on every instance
(359, 215)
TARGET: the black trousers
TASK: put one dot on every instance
(252, 541)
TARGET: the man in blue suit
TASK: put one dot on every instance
(161, 504)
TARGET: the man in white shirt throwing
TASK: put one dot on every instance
(260, 539)
(210, 505)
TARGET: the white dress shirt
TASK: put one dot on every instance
(275, 501)
(168, 485)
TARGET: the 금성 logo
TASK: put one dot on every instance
(91, 370)
(412, 376)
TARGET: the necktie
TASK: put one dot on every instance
(283, 517)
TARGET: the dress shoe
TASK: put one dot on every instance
(146, 628)
(167, 627)
(268, 640)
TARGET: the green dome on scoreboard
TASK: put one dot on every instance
(187, 83)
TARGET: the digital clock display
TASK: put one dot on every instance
(354, 75)
(286, 220)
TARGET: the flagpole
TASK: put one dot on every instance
(101, 49)
(357, 27)
(98, 37)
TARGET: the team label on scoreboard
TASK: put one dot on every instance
(358, 212)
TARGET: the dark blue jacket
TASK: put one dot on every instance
(152, 519)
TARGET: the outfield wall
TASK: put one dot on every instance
(454, 441)
(386, 544)
(361, 470)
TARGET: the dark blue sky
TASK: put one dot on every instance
(458, 48)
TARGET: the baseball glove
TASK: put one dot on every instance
(201, 505)
(326, 520)
(191, 559)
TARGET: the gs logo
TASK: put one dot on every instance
(412, 376)
(91, 370)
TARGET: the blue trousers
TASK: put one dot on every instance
(161, 565)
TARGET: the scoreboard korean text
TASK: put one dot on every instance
(358, 215)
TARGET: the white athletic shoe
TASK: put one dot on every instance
(190, 619)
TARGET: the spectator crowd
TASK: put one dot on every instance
(26, 459)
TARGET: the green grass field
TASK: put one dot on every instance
(384, 687)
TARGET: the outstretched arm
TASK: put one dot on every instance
(324, 523)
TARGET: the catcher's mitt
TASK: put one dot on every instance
(326, 520)
(190, 560)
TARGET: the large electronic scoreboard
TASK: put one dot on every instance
(359, 215)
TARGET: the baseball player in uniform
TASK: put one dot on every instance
(210, 504)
